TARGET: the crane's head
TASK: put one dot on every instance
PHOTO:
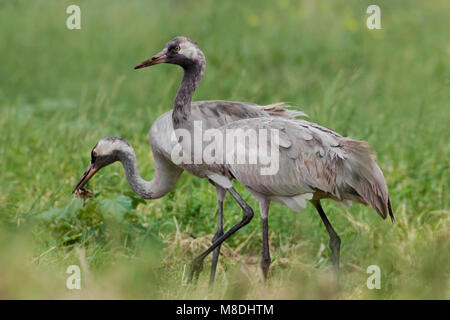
(181, 51)
(108, 150)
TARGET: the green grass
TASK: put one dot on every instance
(61, 90)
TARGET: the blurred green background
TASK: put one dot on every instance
(62, 90)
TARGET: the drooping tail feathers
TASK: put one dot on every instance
(364, 176)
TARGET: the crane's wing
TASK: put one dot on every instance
(304, 157)
(310, 159)
(217, 113)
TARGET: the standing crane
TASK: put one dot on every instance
(213, 114)
(315, 162)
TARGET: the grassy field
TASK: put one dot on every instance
(62, 90)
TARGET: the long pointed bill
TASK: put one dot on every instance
(156, 59)
(87, 175)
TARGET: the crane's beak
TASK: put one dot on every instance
(156, 59)
(87, 175)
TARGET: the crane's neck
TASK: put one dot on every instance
(181, 116)
(163, 181)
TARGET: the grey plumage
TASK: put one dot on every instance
(213, 114)
(315, 162)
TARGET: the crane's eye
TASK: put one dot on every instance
(93, 156)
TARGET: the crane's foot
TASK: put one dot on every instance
(215, 259)
(335, 246)
(265, 265)
(335, 283)
(196, 268)
(336, 273)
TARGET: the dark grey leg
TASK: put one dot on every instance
(335, 241)
(265, 261)
(197, 263)
(220, 197)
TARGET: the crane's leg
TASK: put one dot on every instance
(221, 192)
(335, 241)
(265, 261)
(197, 263)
